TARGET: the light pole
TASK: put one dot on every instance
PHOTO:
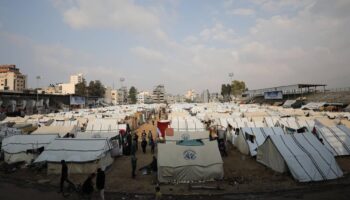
(122, 79)
(231, 74)
(37, 92)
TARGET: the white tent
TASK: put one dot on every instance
(104, 125)
(249, 139)
(288, 103)
(336, 139)
(62, 131)
(65, 123)
(313, 106)
(18, 148)
(238, 123)
(82, 155)
(177, 163)
(7, 131)
(187, 124)
(171, 135)
(305, 157)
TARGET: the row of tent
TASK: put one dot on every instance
(83, 155)
(277, 143)
(85, 152)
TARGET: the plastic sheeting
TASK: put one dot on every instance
(306, 158)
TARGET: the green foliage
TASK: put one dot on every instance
(132, 95)
(238, 87)
(225, 90)
(96, 89)
(81, 89)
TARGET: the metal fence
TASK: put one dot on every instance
(345, 89)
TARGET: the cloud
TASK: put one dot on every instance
(242, 11)
(53, 62)
(290, 41)
(277, 5)
(218, 33)
(148, 54)
(110, 14)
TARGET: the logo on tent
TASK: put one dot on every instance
(185, 136)
(190, 155)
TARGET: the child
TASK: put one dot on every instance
(158, 193)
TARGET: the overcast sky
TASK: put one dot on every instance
(183, 44)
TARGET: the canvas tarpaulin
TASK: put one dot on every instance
(189, 163)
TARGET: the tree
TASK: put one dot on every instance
(132, 95)
(96, 89)
(226, 91)
(238, 87)
(80, 88)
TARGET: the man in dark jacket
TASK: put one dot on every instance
(100, 182)
(88, 186)
(133, 165)
(64, 175)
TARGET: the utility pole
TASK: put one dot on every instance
(37, 92)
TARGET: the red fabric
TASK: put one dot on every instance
(162, 126)
(169, 132)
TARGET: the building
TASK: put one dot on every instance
(215, 97)
(286, 90)
(75, 79)
(66, 88)
(144, 98)
(158, 95)
(12, 79)
(122, 94)
(191, 95)
(205, 96)
(111, 96)
(52, 89)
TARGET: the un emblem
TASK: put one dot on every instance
(190, 155)
(185, 136)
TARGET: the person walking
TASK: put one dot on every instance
(158, 195)
(149, 136)
(133, 165)
(88, 186)
(64, 175)
(100, 182)
(143, 135)
(152, 145)
(136, 140)
(144, 144)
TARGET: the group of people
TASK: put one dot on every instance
(144, 138)
(130, 147)
(88, 186)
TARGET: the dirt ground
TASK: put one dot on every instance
(244, 178)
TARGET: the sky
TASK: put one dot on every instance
(183, 44)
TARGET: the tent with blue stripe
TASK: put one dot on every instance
(302, 154)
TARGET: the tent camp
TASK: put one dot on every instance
(113, 137)
(181, 163)
(249, 139)
(171, 135)
(62, 131)
(313, 106)
(290, 104)
(82, 155)
(187, 124)
(24, 148)
(302, 154)
(238, 123)
(7, 131)
(104, 125)
(292, 125)
(336, 139)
